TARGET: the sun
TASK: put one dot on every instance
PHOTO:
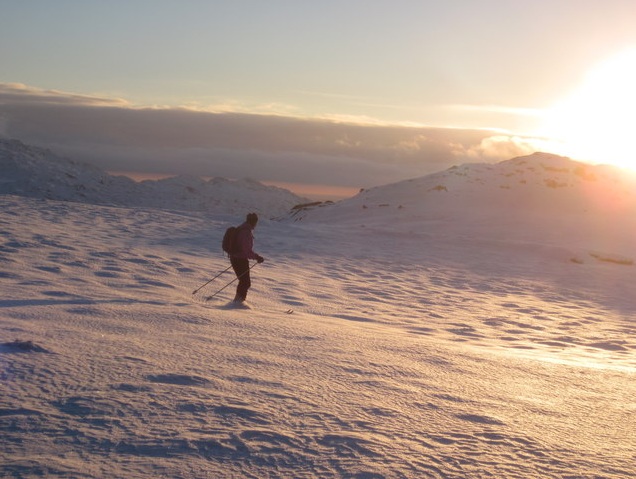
(597, 122)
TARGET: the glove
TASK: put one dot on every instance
(260, 259)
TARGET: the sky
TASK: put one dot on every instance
(340, 94)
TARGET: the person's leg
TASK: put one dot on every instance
(242, 269)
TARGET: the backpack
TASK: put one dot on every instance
(229, 240)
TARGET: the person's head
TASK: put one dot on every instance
(252, 219)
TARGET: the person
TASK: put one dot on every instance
(243, 253)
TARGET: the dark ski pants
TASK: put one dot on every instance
(241, 267)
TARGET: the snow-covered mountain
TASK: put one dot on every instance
(540, 198)
(40, 173)
(538, 183)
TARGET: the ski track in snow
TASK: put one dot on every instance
(445, 362)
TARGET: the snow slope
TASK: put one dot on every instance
(537, 198)
(39, 173)
(442, 339)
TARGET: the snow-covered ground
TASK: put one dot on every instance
(477, 323)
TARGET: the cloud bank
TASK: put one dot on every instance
(120, 137)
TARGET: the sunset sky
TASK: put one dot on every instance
(347, 93)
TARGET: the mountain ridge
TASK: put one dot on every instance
(536, 200)
(40, 173)
(535, 183)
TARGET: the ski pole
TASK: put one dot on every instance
(197, 290)
(235, 279)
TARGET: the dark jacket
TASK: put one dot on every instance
(245, 243)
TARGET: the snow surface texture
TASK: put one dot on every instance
(429, 339)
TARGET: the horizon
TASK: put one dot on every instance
(398, 92)
(322, 193)
(313, 192)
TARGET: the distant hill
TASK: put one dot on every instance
(538, 183)
(534, 199)
(40, 173)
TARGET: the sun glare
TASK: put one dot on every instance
(596, 122)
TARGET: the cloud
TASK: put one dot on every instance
(118, 136)
(18, 93)
(496, 147)
(532, 112)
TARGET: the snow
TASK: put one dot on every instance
(40, 173)
(484, 328)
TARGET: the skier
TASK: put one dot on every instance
(243, 253)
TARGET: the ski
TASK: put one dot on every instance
(231, 305)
